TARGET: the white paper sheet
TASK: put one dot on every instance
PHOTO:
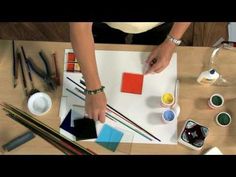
(145, 109)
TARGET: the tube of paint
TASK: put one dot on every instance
(18, 141)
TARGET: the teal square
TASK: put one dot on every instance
(109, 137)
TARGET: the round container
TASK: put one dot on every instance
(39, 103)
(167, 100)
(223, 119)
(168, 116)
(216, 101)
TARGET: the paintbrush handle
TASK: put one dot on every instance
(28, 68)
(56, 70)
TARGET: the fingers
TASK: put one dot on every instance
(96, 115)
(101, 117)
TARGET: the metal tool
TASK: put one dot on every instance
(45, 75)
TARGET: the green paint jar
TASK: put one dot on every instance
(216, 101)
(223, 119)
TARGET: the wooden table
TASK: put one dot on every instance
(192, 99)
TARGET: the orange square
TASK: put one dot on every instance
(132, 83)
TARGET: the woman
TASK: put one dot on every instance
(82, 39)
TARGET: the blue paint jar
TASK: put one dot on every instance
(168, 116)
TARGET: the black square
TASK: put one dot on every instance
(85, 129)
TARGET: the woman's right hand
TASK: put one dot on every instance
(95, 106)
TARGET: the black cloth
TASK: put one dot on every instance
(105, 34)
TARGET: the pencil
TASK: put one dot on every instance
(22, 71)
(14, 64)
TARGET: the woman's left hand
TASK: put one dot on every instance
(160, 57)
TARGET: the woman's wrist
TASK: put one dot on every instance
(94, 91)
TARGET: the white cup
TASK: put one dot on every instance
(39, 103)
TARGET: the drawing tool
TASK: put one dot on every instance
(14, 65)
(22, 71)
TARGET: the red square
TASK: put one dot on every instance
(132, 83)
(71, 57)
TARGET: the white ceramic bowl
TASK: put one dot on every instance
(39, 103)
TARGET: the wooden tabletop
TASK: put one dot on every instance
(193, 99)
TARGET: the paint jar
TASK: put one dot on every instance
(223, 119)
(216, 101)
(167, 100)
(168, 116)
(193, 135)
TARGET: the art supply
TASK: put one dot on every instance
(33, 90)
(193, 135)
(72, 64)
(84, 128)
(57, 77)
(14, 64)
(46, 75)
(52, 136)
(18, 141)
(132, 83)
(39, 103)
(167, 100)
(18, 54)
(109, 137)
(208, 77)
(168, 116)
(216, 101)
(223, 119)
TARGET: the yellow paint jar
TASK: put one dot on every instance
(167, 100)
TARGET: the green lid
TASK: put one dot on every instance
(216, 100)
(223, 118)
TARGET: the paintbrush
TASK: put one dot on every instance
(22, 71)
(14, 65)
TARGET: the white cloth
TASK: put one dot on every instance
(133, 27)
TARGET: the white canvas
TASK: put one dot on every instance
(144, 109)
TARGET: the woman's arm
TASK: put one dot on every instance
(84, 48)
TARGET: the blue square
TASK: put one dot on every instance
(109, 137)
